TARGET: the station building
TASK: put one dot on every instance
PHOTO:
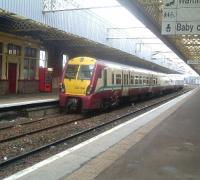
(21, 57)
(19, 64)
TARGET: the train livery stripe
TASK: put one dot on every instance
(114, 87)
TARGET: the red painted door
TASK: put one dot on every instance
(12, 77)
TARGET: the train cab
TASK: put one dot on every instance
(89, 84)
(77, 82)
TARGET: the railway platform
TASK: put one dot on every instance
(160, 144)
(8, 101)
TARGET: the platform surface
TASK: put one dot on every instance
(161, 144)
(25, 99)
(171, 151)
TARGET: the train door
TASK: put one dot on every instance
(125, 82)
(12, 77)
(105, 80)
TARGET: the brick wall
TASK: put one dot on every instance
(25, 86)
(3, 87)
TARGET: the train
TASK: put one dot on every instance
(89, 84)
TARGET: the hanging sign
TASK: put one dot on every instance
(181, 17)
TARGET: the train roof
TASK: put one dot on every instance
(127, 67)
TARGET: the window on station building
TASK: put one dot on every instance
(14, 50)
(30, 61)
(65, 59)
(1, 51)
(1, 48)
(30, 52)
(43, 58)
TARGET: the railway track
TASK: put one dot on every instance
(85, 131)
(34, 110)
(22, 123)
(38, 130)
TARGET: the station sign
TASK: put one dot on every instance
(180, 28)
(70, 5)
(181, 17)
(193, 61)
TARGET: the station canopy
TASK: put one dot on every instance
(150, 12)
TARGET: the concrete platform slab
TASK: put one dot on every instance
(170, 152)
(7, 101)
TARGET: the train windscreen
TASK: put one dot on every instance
(85, 72)
(71, 71)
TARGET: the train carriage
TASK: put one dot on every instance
(89, 83)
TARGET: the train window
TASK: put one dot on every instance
(113, 78)
(131, 79)
(156, 81)
(125, 78)
(152, 81)
(144, 80)
(85, 72)
(140, 80)
(71, 71)
(147, 80)
(118, 79)
(136, 80)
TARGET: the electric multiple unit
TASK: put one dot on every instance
(89, 83)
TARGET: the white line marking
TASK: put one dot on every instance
(26, 102)
(61, 154)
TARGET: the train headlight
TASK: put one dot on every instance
(62, 88)
(89, 90)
